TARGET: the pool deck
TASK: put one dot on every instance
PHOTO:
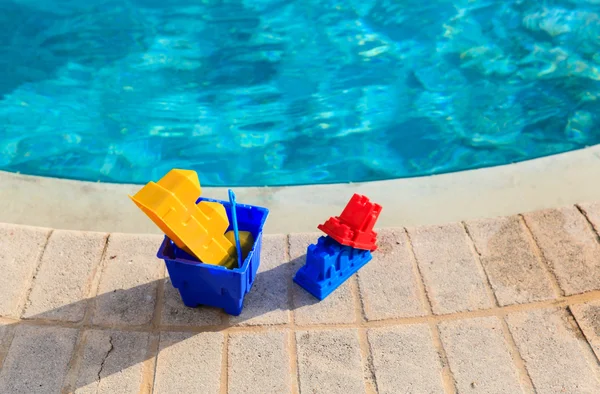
(548, 182)
(503, 305)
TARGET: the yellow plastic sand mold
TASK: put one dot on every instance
(199, 229)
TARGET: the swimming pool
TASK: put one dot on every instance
(278, 92)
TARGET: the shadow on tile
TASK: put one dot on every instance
(268, 303)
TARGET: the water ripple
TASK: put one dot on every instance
(275, 92)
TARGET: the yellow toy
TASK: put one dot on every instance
(199, 229)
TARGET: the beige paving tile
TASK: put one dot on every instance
(592, 212)
(128, 286)
(189, 363)
(515, 271)
(259, 362)
(329, 362)
(337, 308)
(175, 313)
(64, 279)
(268, 300)
(404, 357)
(569, 246)
(37, 360)
(405, 360)
(451, 273)
(6, 336)
(479, 357)
(112, 362)
(588, 318)
(388, 284)
(553, 353)
(20, 251)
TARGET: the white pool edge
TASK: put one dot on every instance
(548, 182)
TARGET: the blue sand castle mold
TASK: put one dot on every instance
(328, 265)
(213, 285)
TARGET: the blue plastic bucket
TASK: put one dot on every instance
(212, 285)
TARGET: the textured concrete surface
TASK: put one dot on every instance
(259, 362)
(128, 287)
(449, 268)
(6, 332)
(479, 356)
(20, 251)
(405, 360)
(65, 275)
(588, 318)
(330, 360)
(189, 363)
(388, 283)
(550, 343)
(513, 266)
(592, 212)
(38, 360)
(499, 305)
(569, 245)
(111, 362)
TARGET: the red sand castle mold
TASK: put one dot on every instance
(354, 227)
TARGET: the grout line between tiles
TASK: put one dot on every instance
(151, 362)
(365, 353)
(480, 267)
(74, 364)
(94, 278)
(429, 319)
(8, 342)
(590, 224)
(360, 324)
(359, 315)
(447, 379)
(294, 375)
(519, 362)
(95, 286)
(23, 303)
(524, 378)
(370, 377)
(421, 288)
(542, 259)
(292, 349)
(586, 347)
(77, 355)
(589, 340)
(224, 388)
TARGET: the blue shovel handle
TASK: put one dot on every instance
(236, 233)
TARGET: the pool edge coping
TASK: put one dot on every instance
(548, 182)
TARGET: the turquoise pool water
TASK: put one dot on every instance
(281, 92)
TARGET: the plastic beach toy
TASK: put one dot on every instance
(213, 285)
(346, 248)
(211, 248)
(197, 228)
(354, 227)
(234, 223)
